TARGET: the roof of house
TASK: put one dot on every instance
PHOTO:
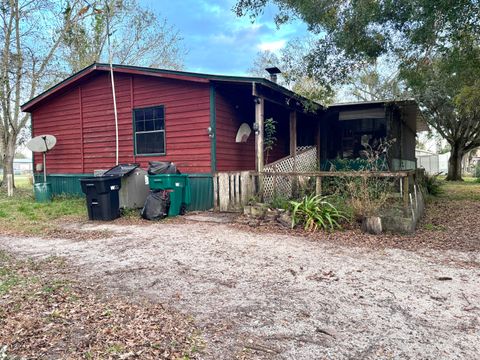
(410, 106)
(172, 74)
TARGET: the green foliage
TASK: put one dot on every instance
(270, 139)
(315, 212)
(340, 164)
(279, 202)
(433, 185)
(356, 32)
(434, 45)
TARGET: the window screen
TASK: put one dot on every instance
(149, 126)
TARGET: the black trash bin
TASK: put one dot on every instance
(102, 197)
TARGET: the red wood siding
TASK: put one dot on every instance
(233, 156)
(62, 119)
(89, 106)
(234, 108)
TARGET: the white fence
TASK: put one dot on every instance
(304, 161)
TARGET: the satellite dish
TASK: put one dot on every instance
(243, 133)
(42, 143)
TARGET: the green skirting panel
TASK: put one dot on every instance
(401, 164)
(201, 186)
(67, 184)
(202, 191)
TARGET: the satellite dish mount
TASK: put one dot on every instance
(43, 144)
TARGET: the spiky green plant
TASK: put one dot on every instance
(315, 212)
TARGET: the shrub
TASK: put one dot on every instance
(279, 202)
(315, 212)
(367, 195)
(432, 184)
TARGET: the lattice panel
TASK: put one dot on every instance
(305, 161)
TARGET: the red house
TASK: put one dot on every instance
(188, 118)
(193, 120)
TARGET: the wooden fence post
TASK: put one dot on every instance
(215, 192)
(405, 191)
(318, 185)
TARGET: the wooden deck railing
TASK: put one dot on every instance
(233, 190)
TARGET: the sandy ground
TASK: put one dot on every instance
(283, 297)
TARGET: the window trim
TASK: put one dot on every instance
(164, 153)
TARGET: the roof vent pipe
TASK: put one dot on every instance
(273, 71)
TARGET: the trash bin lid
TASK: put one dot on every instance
(121, 170)
(162, 167)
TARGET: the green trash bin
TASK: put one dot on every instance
(178, 185)
(43, 192)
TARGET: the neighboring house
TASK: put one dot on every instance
(21, 166)
(203, 123)
(429, 161)
(433, 163)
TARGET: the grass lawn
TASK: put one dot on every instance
(21, 214)
(23, 181)
(469, 189)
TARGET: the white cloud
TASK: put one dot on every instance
(272, 45)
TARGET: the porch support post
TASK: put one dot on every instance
(259, 136)
(317, 144)
(259, 133)
(293, 138)
(293, 133)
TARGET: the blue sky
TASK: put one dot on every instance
(220, 42)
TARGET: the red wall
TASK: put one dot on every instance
(89, 106)
(233, 156)
(234, 108)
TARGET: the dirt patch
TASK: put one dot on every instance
(268, 295)
(447, 225)
(46, 314)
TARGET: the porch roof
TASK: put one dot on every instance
(414, 115)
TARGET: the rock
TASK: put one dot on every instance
(247, 210)
(258, 210)
(271, 215)
(372, 225)
(254, 223)
(285, 220)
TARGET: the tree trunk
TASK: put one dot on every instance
(8, 176)
(455, 163)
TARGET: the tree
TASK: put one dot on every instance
(25, 63)
(449, 92)
(352, 34)
(293, 76)
(263, 60)
(43, 40)
(139, 36)
(377, 82)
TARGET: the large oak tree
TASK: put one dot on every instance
(420, 34)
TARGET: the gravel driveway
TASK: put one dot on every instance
(276, 296)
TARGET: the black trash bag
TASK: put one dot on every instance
(162, 167)
(156, 206)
